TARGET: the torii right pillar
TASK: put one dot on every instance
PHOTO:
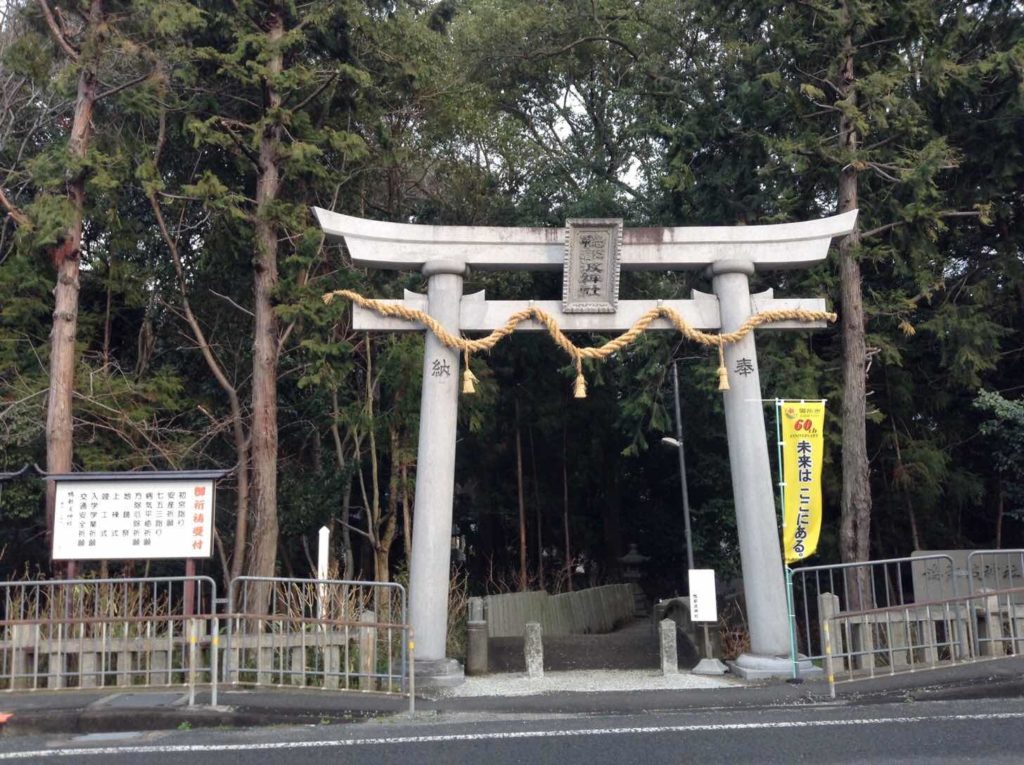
(753, 492)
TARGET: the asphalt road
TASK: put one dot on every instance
(984, 731)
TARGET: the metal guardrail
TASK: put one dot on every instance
(995, 570)
(912, 637)
(910, 614)
(880, 584)
(331, 634)
(93, 633)
(166, 632)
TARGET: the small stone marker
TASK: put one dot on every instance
(476, 648)
(533, 651)
(669, 655)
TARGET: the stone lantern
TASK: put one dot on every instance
(631, 563)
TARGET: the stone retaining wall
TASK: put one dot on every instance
(598, 609)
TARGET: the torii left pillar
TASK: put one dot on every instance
(429, 573)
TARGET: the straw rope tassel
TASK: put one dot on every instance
(723, 373)
(580, 389)
(468, 378)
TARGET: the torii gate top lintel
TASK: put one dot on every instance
(408, 246)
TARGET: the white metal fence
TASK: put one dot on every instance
(172, 632)
(109, 632)
(332, 634)
(908, 614)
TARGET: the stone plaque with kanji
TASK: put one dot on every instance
(591, 271)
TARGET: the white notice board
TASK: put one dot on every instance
(703, 600)
(119, 519)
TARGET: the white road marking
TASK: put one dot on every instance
(498, 736)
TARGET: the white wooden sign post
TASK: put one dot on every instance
(704, 611)
(323, 553)
(729, 255)
(703, 598)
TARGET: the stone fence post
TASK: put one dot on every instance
(533, 651)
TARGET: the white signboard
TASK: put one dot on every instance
(118, 519)
(703, 601)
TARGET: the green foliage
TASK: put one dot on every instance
(513, 112)
(1004, 440)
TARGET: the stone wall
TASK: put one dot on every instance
(598, 609)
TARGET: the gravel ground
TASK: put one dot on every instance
(517, 684)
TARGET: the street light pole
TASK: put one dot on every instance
(707, 665)
(682, 465)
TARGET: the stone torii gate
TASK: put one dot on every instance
(729, 254)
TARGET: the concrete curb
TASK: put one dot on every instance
(79, 721)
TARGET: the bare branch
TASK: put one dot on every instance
(326, 83)
(881, 229)
(58, 33)
(125, 86)
(591, 38)
(14, 404)
(943, 214)
(878, 169)
(822, 80)
(356, 529)
(243, 309)
(16, 215)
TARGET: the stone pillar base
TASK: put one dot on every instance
(753, 667)
(438, 674)
(709, 667)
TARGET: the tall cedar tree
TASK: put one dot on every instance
(105, 48)
(266, 76)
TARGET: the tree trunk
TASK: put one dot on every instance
(349, 569)
(107, 322)
(387, 524)
(524, 579)
(565, 506)
(537, 514)
(855, 524)
(263, 432)
(66, 257)
(346, 569)
(901, 470)
(406, 513)
(1000, 511)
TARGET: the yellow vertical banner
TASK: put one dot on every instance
(803, 452)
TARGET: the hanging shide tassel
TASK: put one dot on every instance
(580, 389)
(723, 373)
(469, 379)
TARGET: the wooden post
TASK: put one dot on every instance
(188, 608)
(367, 651)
